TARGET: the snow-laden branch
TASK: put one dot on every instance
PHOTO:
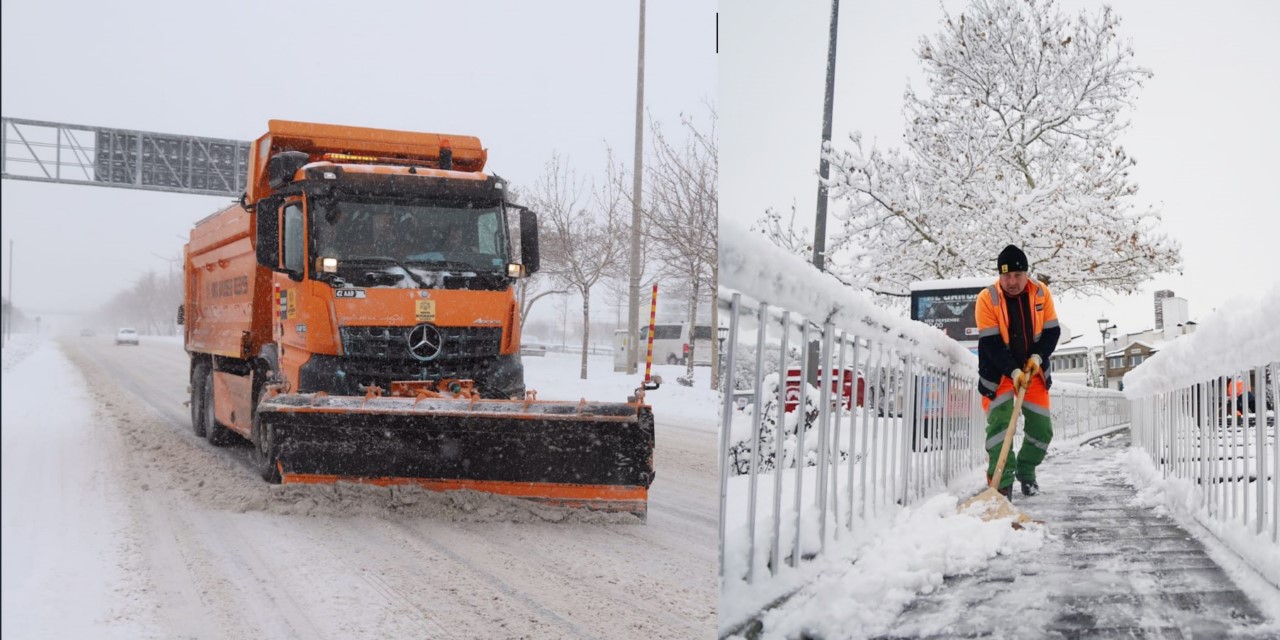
(1014, 142)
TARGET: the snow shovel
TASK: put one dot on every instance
(992, 505)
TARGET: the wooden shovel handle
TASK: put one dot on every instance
(1008, 437)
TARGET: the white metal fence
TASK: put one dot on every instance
(892, 422)
(1220, 434)
(845, 460)
(793, 482)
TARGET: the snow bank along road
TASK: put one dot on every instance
(119, 522)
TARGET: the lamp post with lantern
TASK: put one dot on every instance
(722, 333)
(1106, 367)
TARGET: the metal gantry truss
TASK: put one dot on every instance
(124, 158)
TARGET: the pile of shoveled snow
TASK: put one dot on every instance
(163, 456)
(862, 594)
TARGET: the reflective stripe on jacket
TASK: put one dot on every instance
(992, 315)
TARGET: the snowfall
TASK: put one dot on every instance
(927, 570)
(119, 523)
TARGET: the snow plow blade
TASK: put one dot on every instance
(595, 455)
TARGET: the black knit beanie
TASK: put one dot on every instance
(1011, 259)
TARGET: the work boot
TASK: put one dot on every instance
(1029, 487)
(1007, 492)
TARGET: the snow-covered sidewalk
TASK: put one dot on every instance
(1106, 564)
(68, 567)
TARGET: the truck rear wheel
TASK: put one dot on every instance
(198, 374)
(219, 436)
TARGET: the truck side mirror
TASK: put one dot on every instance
(529, 241)
(282, 166)
(267, 240)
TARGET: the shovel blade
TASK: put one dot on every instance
(991, 505)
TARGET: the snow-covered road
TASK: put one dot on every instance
(119, 522)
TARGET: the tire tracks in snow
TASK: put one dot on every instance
(442, 571)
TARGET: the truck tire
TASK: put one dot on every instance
(198, 374)
(265, 453)
(219, 436)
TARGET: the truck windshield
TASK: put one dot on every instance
(427, 236)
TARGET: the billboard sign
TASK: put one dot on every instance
(952, 310)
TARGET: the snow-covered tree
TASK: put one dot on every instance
(150, 305)
(1016, 141)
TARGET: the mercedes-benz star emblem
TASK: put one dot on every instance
(425, 342)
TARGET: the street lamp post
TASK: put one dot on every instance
(721, 334)
(1106, 368)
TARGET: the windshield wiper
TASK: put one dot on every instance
(397, 263)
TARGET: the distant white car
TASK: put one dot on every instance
(127, 336)
(533, 349)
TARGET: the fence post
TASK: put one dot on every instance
(800, 424)
(834, 488)
(726, 418)
(757, 420)
(779, 455)
(1260, 426)
(824, 426)
(853, 424)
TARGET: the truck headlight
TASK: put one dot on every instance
(515, 270)
(328, 265)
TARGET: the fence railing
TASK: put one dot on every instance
(895, 426)
(1219, 434)
(894, 417)
(1076, 410)
(1205, 413)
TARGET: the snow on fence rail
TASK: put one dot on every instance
(1205, 413)
(894, 417)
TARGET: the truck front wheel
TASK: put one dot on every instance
(265, 453)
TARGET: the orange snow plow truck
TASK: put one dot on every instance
(354, 318)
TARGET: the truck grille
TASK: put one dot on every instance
(392, 344)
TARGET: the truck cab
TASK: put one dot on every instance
(359, 257)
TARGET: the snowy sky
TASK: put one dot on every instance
(1203, 130)
(526, 78)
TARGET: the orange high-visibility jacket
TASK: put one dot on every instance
(992, 316)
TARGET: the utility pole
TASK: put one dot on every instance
(820, 221)
(633, 303)
(171, 261)
(8, 325)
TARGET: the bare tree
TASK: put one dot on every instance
(150, 305)
(681, 213)
(1016, 142)
(541, 284)
(586, 234)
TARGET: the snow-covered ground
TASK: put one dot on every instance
(119, 523)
